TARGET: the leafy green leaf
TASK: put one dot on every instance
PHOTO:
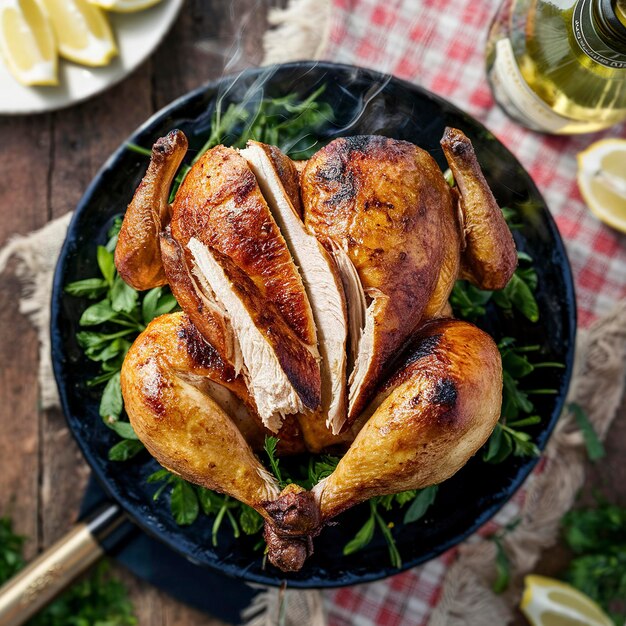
(517, 294)
(88, 288)
(106, 264)
(270, 450)
(123, 429)
(184, 503)
(469, 302)
(424, 498)
(111, 403)
(167, 303)
(595, 449)
(123, 296)
(210, 501)
(503, 568)
(362, 538)
(11, 560)
(125, 449)
(597, 535)
(149, 304)
(250, 521)
(97, 313)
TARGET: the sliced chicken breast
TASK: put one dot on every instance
(197, 299)
(380, 200)
(279, 366)
(321, 281)
(234, 247)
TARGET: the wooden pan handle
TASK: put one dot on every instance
(40, 581)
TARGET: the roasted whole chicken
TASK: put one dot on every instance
(314, 304)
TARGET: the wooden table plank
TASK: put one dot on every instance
(25, 158)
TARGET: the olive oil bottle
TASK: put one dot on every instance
(559, 66)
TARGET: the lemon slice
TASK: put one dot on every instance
(27, 42)
(602, 180)
(549, 602)
(124, 6)
(82, 31)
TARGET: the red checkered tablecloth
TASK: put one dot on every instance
(439, 44)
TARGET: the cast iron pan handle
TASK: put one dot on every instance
(40, 581)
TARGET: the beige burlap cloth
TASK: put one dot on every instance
(598, 385)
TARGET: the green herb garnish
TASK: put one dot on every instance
(597, 536)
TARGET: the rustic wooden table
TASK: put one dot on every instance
(46, 162)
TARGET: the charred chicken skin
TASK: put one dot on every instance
(315, 305)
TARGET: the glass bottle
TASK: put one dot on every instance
(559, 66)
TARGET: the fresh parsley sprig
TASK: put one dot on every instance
(188, 501)
(597, 536)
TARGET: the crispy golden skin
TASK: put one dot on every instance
(287, 173)
(381, 201)
(450, 266)
(433, 414)
(180, 422)
(490, 258)
(138, 254)
(220, 204)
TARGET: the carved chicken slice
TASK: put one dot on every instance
(381, 201)
(489, 259)
(198, 301)
(180, 395)
(232, 243)
(431, 416)
(138, 254)
(321, 281)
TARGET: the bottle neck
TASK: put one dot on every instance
(600, 33)
(609, 17)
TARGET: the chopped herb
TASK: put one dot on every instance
(597, 536)
(270, 450)
(595, 449)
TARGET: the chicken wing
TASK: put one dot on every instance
(489, 258)
(138, 253)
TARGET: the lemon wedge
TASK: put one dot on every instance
(549, 602)
(124, 6)
(602, 180)
(27, 42)
(82, 31)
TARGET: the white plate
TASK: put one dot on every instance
(137, 35)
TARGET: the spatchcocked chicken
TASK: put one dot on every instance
(315, 306)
